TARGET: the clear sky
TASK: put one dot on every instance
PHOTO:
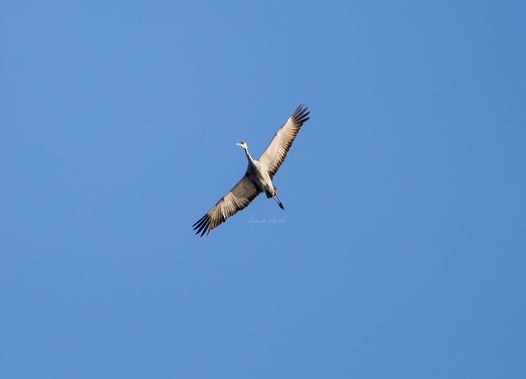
(402, 250)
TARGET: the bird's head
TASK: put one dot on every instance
(242, 144)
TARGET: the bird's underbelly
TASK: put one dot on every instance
(264, 184)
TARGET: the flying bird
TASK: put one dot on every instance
(258, 177)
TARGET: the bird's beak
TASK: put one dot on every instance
(238, 144)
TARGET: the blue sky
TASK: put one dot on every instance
(401, 253)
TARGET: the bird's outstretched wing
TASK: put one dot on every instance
(238, 198)
(277, 150)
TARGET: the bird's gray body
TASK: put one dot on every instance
(258, 174)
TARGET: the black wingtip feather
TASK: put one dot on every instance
(301, 114)
(199, 221)
(205, 230)
(202, 225)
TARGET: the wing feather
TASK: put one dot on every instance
(236, 199)
(277, 150)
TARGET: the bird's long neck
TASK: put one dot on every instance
(249, 157)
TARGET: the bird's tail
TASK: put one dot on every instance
(275, 197)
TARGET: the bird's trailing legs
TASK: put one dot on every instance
(275, 197)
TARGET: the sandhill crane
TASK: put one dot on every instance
(258, 177)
